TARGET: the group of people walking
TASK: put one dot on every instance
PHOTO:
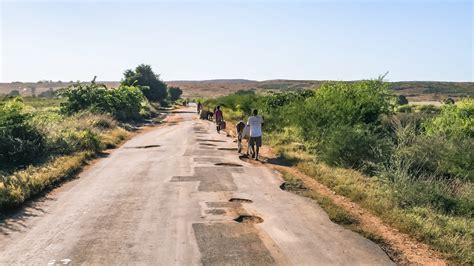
(252, 130)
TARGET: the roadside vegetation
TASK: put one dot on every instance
(44, 140)
(412, 167)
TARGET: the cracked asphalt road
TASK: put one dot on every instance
(160, 199)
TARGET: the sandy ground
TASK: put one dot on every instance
(179, 195)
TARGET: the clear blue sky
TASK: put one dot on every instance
(341, 40)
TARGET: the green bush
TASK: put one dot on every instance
(441, 196)
(428, 108)
(344, 104)
(439, 156)
(455, 120)
(126, 103)
(20, 142)
(123, 103)
(356, 147)
(418, 154)
(242, 102)
(282, 109)
(343, 120)
(66, 134)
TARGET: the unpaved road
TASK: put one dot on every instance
(161, 199)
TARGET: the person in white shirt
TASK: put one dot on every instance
(255, 123)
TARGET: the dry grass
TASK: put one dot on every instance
(21, 185)
(24, 184)
(114, 137)
(450, 235)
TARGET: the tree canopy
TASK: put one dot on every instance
(175, 93)
(153, 88)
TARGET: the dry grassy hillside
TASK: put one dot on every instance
(28, 88)
(414, 90)
(221, 87)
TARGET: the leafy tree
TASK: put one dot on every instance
(153, 88)
(175, 93)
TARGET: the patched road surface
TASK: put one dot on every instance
(179, 195)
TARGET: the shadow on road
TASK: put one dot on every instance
(15, 220)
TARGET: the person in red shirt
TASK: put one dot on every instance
(219, 118)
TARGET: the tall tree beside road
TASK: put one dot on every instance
(175, 93)
(153, 88)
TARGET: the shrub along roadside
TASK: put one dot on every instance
(20, 141)
(123, 103)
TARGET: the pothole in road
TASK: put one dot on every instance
(248, 219)
(207, 144)
(210, 140)
(227, 149)
(296, 186)
(143, 147)
(245, 158)
(228, 164)
(216, 212)
(241, 200)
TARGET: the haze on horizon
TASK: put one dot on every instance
(202, 40)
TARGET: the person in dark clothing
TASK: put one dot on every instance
(199, 107)
(219, 118)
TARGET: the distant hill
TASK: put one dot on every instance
(434, 90)
(414, 90)
(27, 88)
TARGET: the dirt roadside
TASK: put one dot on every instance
(399, 246)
